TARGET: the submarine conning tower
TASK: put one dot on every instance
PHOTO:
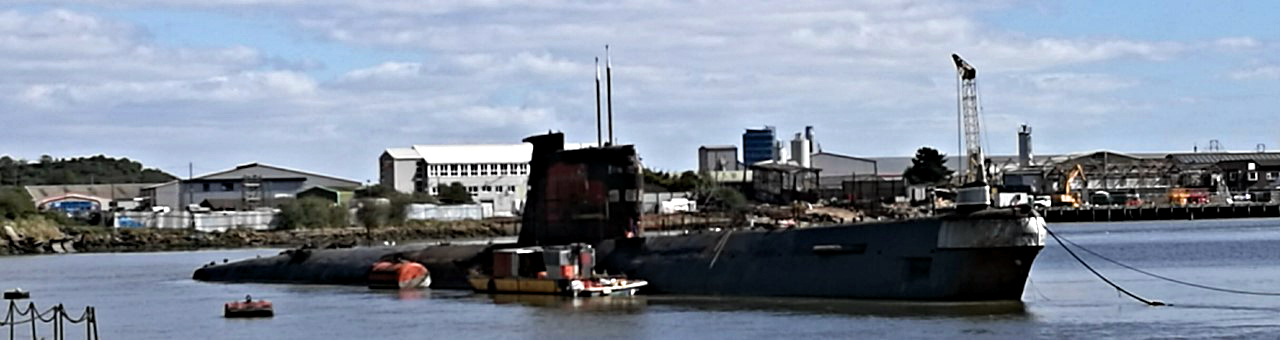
(580, 196)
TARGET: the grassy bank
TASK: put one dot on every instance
(38, 236)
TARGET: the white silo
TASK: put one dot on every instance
(800, 151)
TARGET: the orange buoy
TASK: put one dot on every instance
(398, 275)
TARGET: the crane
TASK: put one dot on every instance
(974, 191)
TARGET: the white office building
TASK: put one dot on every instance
(493, 174)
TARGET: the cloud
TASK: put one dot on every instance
(685, 73)
(1258, 72)
(1237, 42)
(1078, 82)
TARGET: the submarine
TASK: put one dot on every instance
(593, 196)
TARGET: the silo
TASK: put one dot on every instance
(800, 151)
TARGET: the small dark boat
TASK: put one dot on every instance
(248, 309)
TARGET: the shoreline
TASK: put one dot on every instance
(125, 240)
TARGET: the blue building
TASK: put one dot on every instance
(758, 145)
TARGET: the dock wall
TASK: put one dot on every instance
(1160, 212)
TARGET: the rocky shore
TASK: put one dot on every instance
(49, 239)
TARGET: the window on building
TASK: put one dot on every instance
(1234, 175)
(511, 188)
(228, 186)
(486, 188)
(1273, 175)
(1253, 175)
(435, 190)
(206, 187)
(472, 189)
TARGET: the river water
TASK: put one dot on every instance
(151, 296)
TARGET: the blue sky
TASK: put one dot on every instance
(327, 85)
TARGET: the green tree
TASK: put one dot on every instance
(454, 193)
(376, 190)
(311, 213)
(15, 203)
(372, 214)
(86, 170)
(928, 166)
(686, 181)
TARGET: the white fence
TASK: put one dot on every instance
(448, 212)
(212, 221)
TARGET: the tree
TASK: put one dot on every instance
(311, 212)
(686, 181)
(15, 203)
(85, 170)
(376, 190)
(928, 167)
(454, 193)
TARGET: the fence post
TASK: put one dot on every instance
(93, 314)
(57, 322)
(35, 314)
(11, 317)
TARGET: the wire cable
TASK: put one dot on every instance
(1166, 278)
(1099, 275)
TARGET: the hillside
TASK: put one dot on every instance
(85, 170)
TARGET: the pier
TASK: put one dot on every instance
(1160, 212)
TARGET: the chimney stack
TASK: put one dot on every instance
(1024, 146)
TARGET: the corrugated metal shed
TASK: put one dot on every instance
(272, 171)
(1205, 158)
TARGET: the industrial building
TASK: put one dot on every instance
(760, 145)
(245, 187)
(495, 174)
(718, 158)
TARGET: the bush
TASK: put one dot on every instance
(15, 203)
(311, 213)
(373, 214)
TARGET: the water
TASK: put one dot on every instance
(151, 296)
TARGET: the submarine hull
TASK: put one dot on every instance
(932, 259)
(981, 257)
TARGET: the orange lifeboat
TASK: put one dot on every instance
(248, 309)
(398, 275)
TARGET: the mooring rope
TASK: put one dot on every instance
(1166, 278)
(52, 312)
(1099, 275)
(84, 316)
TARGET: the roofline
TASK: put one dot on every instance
(844, 156)
(387, 152)
(248, 165)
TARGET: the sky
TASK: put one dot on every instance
(327, 85)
